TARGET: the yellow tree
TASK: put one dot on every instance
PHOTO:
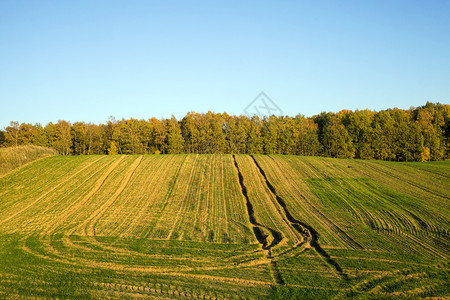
(175, 138)
(80, 137)
(12, 133)
(112, 150)
(336, 140)
(62, 140)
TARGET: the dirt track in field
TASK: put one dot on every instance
(257, 230)
(309, 234)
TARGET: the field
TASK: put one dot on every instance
(224, 226)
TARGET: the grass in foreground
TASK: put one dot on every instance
(178, 226)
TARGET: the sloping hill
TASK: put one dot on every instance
(14, 157)
(224, 226)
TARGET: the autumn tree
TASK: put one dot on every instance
(307, 137)
(175, 138)
(269, 135)
(254, 144)
(40, 137)
(287, 135)
(80, 138)
(241, 133)
(112, 149)
(160, 133)
(407, 143)
(12, 133)
(59, 136)
(147, 136)
(418, 134)
(359, 127)
(98, 142)
(2, 138)
(383, 140)
(231, 133)
(27, 134)
(133, 131)
(430, 119)
(216, 139)
(335, 138)
(190, 132)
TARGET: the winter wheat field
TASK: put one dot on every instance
(224, 227)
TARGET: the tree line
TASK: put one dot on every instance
(416, 134)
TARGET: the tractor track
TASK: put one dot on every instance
(309, 234)
(262, 239)
(335, 228)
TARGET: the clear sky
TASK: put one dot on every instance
(87, 60)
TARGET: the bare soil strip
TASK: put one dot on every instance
(49, 191)
(169, 236)
(164, 203)
(72, 209)
(143, 211)
(309, 234)
(90, 228)
(68, 243)
(96, 215)
(178, 271)
(224, 198)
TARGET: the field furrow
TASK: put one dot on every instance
(220, 226)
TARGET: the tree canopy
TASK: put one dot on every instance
(416, 134)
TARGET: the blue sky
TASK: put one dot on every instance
(87, 60)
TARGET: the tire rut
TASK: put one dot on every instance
(342, 234)
(258, 232)
(309, 234)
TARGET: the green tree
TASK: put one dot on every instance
(418, 134)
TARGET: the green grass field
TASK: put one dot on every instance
(224, 227)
